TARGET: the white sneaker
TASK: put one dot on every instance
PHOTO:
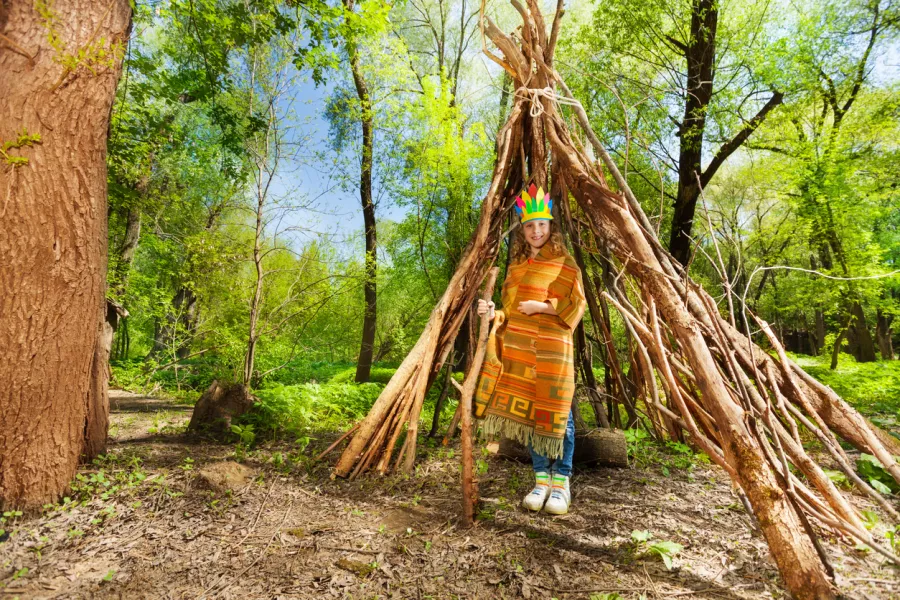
(560, 496)
(536, 498)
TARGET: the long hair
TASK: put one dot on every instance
(521, 249)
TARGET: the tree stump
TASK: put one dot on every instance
(218, 407)
(599, 447)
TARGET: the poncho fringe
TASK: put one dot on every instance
(495, 425)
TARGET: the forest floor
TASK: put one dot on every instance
(155, 520)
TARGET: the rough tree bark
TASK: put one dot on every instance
(862, 337)
(128, 247)
(53, 202)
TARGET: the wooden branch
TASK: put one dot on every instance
(469, 485)
(728, 148)
(554, 32)
(346, 434)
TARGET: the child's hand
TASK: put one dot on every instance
(531, 307)
(486, 308)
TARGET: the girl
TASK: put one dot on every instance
(528, 378)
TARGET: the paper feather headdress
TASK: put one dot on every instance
(533, 204)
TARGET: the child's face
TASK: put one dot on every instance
(537, 232)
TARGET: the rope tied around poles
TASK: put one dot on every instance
(534, 95)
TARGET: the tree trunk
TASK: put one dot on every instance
(865, 347)
(836, 350)
(123, 267)
(810, 336)
(53, 279)
(820, 329)
(583, 351)
(364, 364)
(462, 346)
(126, 252)
(700, 55)
(883, 333)
(96, 423)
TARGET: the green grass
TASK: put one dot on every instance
(872, 388)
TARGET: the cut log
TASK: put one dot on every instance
(597, 448)
(218, 407)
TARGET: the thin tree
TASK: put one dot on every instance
(366, 118)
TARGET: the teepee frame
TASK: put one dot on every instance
(740, 405)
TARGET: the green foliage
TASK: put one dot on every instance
(838, 478)
(22, 140)
(647, 453)
(872, 388)
(244, 433)
(870, 468)
(870, 519)
(640, 536)
(294, 410)
(378, 375)
(189, 127)
(8, 519)
(113, 474)
(893, 537)
(664, 549)
(93, 54)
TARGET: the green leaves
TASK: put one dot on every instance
(870, 468)
(666, 550)
(23, 139)
(641, 536)
(838, 478)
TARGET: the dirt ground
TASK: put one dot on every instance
(159, 522)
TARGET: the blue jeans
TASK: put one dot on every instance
(562, 466)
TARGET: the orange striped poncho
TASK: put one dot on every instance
(528, 378)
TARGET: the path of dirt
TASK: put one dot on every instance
(292, 532)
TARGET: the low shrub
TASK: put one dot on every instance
(293, 410)
(378, 375)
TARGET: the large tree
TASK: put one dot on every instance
(693, 78)
(59, 66)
